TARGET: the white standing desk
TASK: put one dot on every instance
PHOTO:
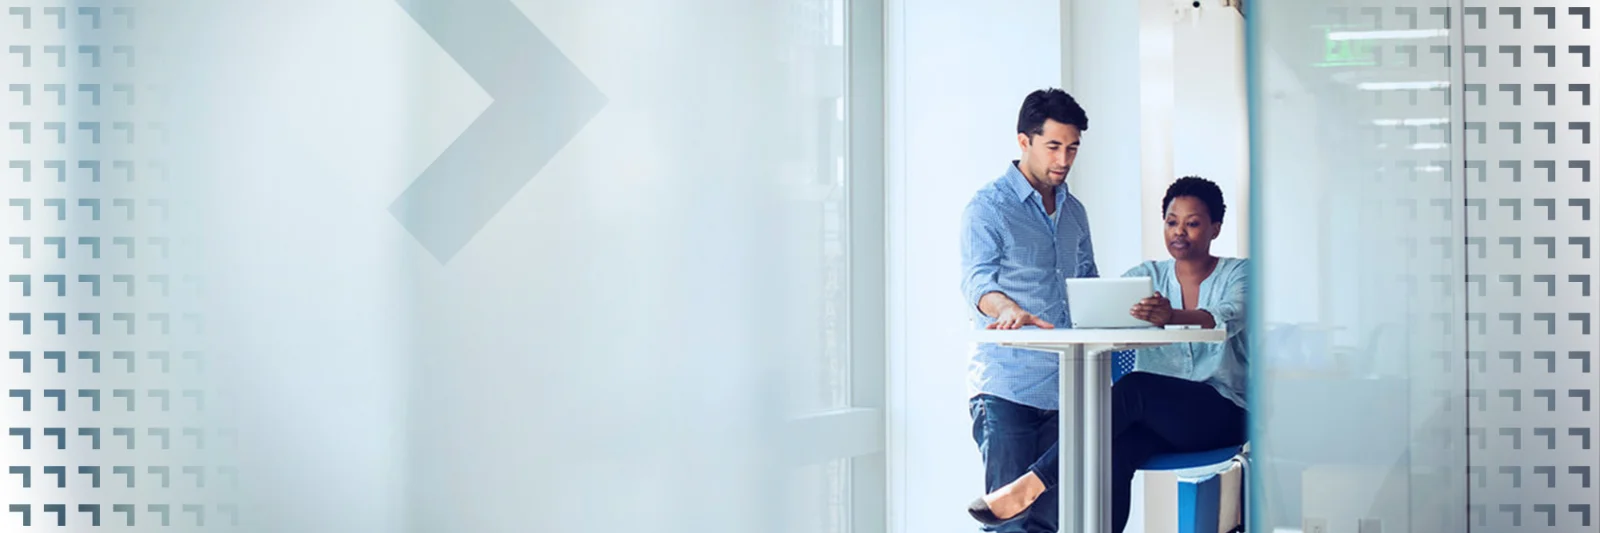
(1084, 482)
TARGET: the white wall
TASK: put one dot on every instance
(957, 73)
(1103, 48)
(1188, 116)
(1210, 124)
(1157, 109)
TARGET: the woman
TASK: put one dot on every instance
(1182, 397)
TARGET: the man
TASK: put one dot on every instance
(1022, 235)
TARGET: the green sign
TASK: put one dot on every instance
(1345, 52)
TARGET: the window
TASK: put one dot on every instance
(836, 191)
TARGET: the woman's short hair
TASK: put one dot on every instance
(1200, 188)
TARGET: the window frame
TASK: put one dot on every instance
(858, 432)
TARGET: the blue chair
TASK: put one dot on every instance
(1193, 517)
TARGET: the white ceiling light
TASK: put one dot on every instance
(1386, 35)
(1401, 85)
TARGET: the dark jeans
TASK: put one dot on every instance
(1011, 436)
(1152, 414)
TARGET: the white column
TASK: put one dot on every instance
(1166, 98)
(1157, 89)
(1103, 50)
(1210, 127)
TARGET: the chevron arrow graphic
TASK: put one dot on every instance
(541, 101)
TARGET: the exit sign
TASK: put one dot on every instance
(1344, 52)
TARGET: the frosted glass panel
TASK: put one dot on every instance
(1358, 376)
(500, 265)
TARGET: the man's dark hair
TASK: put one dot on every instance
(1051, 104)
(1200, 188)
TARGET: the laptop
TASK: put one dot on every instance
(1103, 303)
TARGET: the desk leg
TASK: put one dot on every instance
(1085, 449)
(1072, 491)
(1096, 435)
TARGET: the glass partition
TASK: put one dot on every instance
(1357, 377)
(1527, 78)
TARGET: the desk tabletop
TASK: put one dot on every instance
(1117, 337)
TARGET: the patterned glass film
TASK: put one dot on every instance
(1529, 111)
(111, 418)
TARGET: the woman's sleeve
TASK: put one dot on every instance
(1229, 311)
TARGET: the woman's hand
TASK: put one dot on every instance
(1156, 310)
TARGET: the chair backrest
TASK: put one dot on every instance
(1122, 363)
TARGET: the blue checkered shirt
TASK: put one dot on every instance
(1009, 245)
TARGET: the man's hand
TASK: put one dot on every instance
(1013, 317)
(1007, 314)
(1156, 310)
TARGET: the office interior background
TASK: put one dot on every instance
(691, 265)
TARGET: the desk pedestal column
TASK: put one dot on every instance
(1084, 481)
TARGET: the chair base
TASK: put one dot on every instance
(1225, 456)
